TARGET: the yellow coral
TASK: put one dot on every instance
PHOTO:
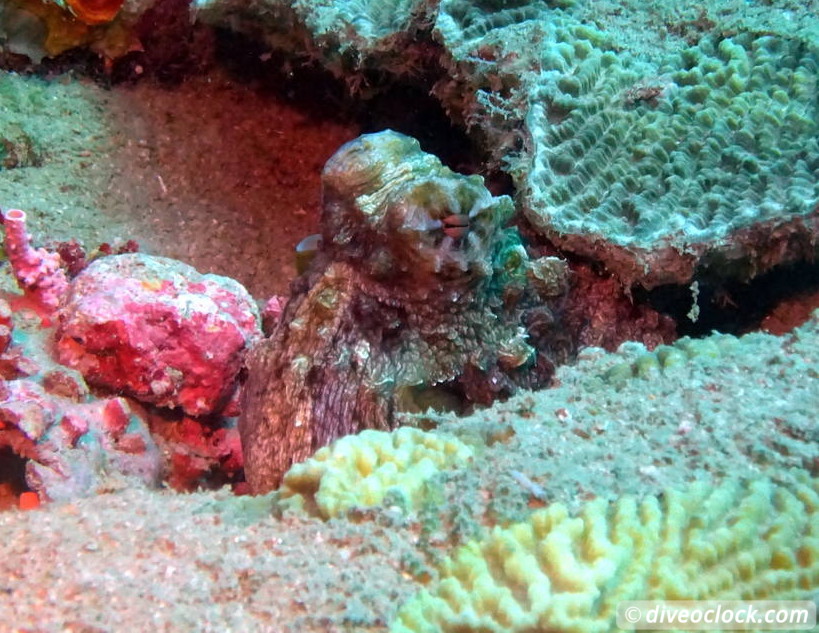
(359, 470)
(563, 574)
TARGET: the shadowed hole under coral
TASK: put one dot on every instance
(12, 478)
(734, 307)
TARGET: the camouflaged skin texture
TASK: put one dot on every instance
(416, 284)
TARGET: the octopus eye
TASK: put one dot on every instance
(456, 225)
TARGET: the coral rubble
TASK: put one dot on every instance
(75, 444)
(139, 326)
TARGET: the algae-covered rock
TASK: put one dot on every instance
(158, 330)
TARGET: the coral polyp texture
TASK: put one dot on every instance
(157, 330)
(730, 143)
(366, 20)
(748, 413)
(360, 471)
(416, 285)
(556, 572)
(654, 168)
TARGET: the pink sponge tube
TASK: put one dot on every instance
(38, 272)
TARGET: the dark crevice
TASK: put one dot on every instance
(12, 474)
(385, 101)
(732, 307)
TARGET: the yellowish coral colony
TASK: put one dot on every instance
(560, 573)
(360, 470)
(756, 540)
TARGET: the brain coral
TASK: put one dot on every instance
(652, 167)
(557, 573)
(360, 470)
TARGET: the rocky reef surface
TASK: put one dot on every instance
(689, 151)
(736, 409)
(697, 155)
(683, 156)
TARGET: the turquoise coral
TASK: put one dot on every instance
(649, 166)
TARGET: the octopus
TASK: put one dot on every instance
(416, 283)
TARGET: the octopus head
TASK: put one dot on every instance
(403, 217)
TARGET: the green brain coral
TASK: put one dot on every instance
(560, 573)
(724, 135)
(362, 470)
(649, 165)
